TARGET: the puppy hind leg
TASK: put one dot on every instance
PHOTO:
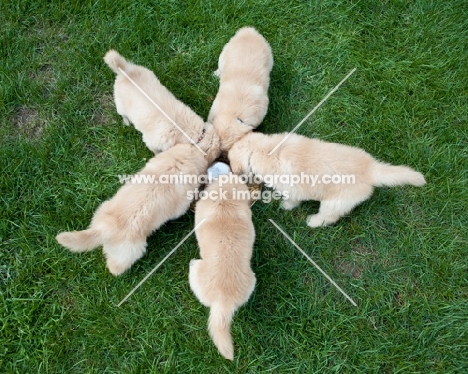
(121, 257)
(221, 64)
(331, 211)
(289, 204)
(120, 106)
(126, 121)
(252, 281)
(193, 275)
(194, 281)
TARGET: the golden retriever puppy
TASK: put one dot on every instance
(159, 133)
(223, 280)
(122, 224)
(244, 70)
(337, 175)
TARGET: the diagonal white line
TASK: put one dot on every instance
(313, 262)
(160, 263)
(162, 111)
(312, 111)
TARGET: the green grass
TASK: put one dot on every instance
(402, 255)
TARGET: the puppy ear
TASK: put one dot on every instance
(244, 128)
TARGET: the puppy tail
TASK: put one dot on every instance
(115, 61)
(219, 324)
(391, 175)
(80, 241)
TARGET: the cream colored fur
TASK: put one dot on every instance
(122, 224)
(315, 157)
(223, 279)
(244, 70)
(159, 133)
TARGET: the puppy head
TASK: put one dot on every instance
(230, 130)
(229, 187)
(239, 156)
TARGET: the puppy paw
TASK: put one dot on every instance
(193, 262)
(289, 204)
(316, 220)
(116, 268)
(217, 73)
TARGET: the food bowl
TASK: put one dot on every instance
(221, 166)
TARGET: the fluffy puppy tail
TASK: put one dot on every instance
(80, 241)
(115, 61)
(219, 324)
(391, 175)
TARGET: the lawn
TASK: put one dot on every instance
(402, 255)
